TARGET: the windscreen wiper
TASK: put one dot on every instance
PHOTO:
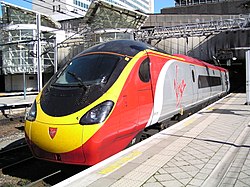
(78, 79)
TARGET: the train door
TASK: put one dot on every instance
(194, 83)
(145, 94)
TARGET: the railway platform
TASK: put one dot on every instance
(11, 94)
(209, 148)
(9, 102)
(12, 101)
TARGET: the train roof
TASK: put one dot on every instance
(132, 47)
(199, 62)
(125, 47)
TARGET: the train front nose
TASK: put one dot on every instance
(60, 143)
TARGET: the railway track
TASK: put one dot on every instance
(7, 118)
(41, 182)
(20, 168)
(13, 156)
(34, 172)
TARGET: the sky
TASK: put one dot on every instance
(18, 3)
(159, 4)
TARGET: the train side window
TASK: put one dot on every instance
(193, 76)
(208, 81)
(144, 71)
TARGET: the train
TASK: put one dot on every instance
(102, 100)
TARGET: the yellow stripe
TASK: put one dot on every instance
(158, 54)
(210, 109)
(119, 163)
(189, 122)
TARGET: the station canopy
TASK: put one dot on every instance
(12, 14)
(18, 40)
(102, 15)
(103, 20)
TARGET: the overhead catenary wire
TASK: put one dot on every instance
(53, 9)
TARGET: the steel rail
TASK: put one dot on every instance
(40, 182)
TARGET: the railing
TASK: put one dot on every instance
(193, 2)
(242, 22)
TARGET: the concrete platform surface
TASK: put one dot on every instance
(11, 94)
(16, 100)
(210, 148)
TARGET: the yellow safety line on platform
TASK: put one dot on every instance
(190, 121)
(210, 109)
(120, 162)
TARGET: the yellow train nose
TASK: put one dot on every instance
(55, 138)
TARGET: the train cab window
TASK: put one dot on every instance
(88, 70)
(193, 76)
(144, 71)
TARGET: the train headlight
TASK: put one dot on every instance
(97, 114)
(31, 116)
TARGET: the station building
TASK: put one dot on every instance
(70, 9)
(19, 48)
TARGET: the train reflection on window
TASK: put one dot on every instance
(208, 81)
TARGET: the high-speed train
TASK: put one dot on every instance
(99, 103)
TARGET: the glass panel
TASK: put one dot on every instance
(15, 15)
(88, 70)
(144, 71)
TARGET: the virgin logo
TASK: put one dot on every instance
(52, 132)
(179, 87)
